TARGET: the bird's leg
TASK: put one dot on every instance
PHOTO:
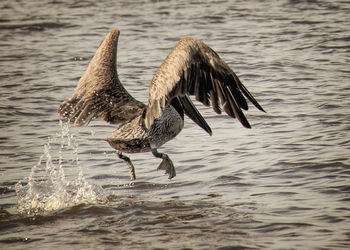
(166, 164)
(128, 161)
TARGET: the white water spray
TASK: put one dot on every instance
(48, 187)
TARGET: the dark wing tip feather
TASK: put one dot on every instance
(193, 68)
(191, 111)
(246, 92)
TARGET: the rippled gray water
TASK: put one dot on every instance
(283, 184)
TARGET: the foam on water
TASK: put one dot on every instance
(284, 184)
(49, 187)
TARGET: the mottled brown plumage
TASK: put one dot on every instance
(99, 94)
(191, 68)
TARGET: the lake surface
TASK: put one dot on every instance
(284, 184)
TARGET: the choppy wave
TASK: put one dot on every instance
(284, 184)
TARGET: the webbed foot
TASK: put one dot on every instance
(166, 163)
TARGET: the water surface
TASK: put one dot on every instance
(282, 184)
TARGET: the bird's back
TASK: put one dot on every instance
(133, 137)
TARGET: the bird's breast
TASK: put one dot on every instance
(165, 128)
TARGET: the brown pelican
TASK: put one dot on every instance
(191, 68)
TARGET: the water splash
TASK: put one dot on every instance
(48, 187)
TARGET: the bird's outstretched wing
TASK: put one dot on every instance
(193, 68)
(99, 93)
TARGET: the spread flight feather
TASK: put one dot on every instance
(191, 68)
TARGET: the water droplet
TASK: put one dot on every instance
(47, 188)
